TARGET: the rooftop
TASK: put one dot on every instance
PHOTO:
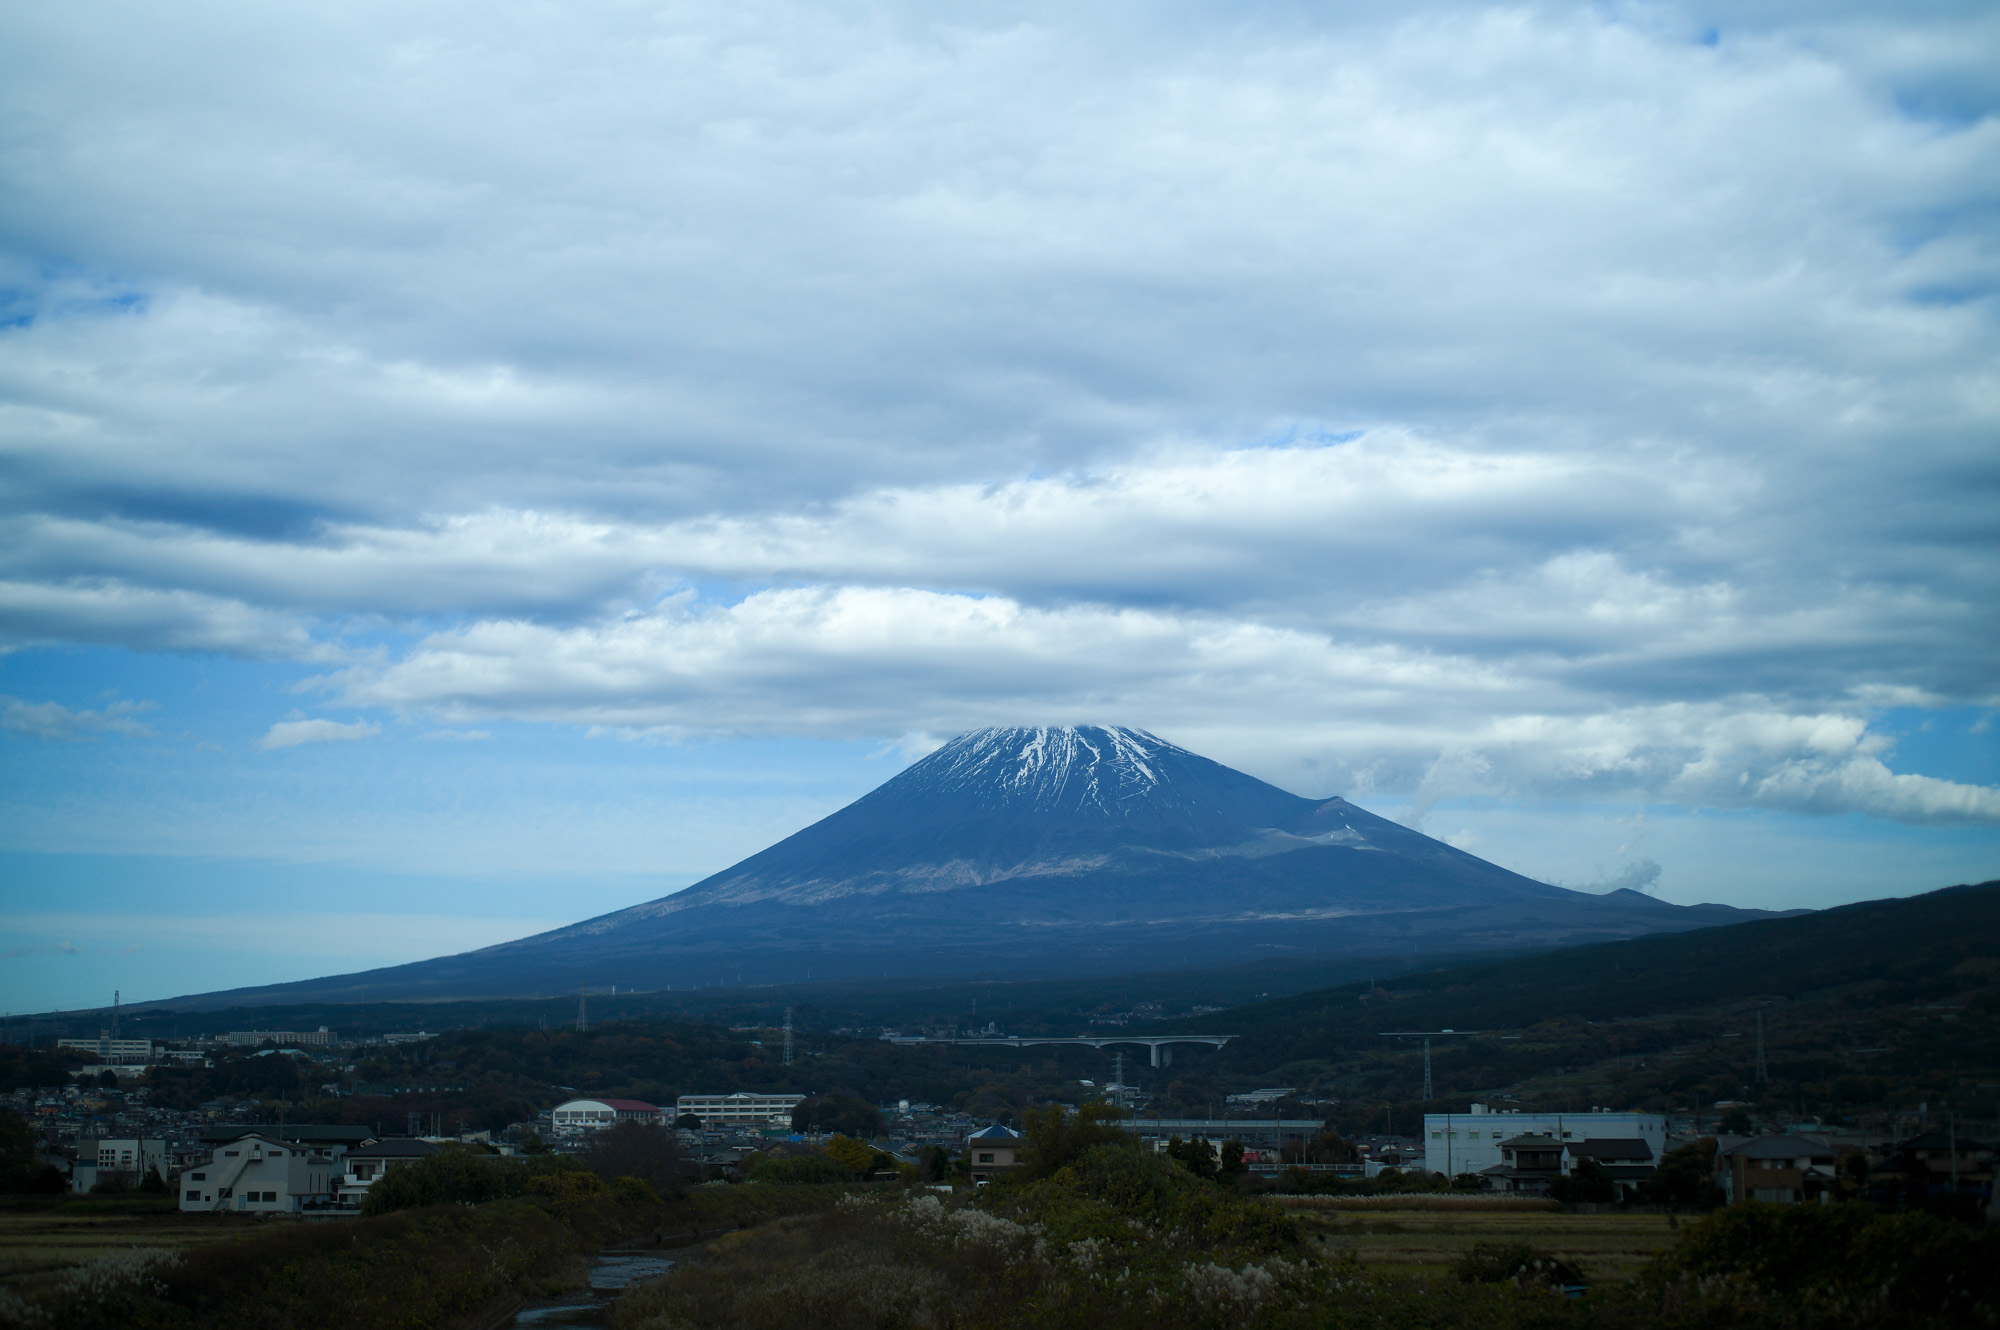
(1781, 1147)
(1615, 1148)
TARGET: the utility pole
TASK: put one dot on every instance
(582, 1017)
(788, 1036)
(1762, 1074)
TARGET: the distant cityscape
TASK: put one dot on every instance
(102, 1132)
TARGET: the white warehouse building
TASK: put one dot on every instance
(1457, 1143)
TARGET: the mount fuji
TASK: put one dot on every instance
(1037, 852)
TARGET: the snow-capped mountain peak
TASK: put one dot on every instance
(1046, 767)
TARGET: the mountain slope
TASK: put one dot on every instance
(1882, 1002)
(1041, 851)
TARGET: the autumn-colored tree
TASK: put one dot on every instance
(854, 1156)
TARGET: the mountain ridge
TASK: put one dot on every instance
(1042, 850)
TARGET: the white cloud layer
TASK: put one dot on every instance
(1453, 399)
(52, 720)
(292, 733)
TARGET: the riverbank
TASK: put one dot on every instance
(451, 1267)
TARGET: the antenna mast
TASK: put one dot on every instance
(1763, 1073)
(788, 1036)
(115, 995)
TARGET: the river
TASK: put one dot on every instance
(614, 1272)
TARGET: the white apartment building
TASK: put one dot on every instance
(259, 1175)
(741, 1109)
(112, 1052)
(128, 1157)
(320, 1038)
(1457, 1143)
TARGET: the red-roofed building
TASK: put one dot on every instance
(593, 1114)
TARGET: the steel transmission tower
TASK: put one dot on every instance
(1430, 1090)
(582, 1016)
(788, 1036)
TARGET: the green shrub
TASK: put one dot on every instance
(460, 1177)
(1053, 1136)
(1837, 1265)
(1196, 1156)
(1589, 1182)
(799, 1169)
(838, 1112)
(416, 1268)
(1515, 1263)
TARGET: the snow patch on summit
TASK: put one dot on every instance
(1048, 766)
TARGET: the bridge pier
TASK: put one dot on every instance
(1163, 1056)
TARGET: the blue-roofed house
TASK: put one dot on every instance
(992, 1151)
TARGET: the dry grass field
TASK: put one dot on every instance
(40, 1241)
(1610, 1246)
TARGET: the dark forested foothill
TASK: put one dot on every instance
(24, 1068)
(233, 1073)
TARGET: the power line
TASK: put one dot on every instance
(1428, 1035)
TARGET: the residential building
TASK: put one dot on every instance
(1627, 1162)
(1528, 1163)
(741, 1109)
(366, 1165)
(126, 1158)
(592, 1114)
(1933, 1164)
(1787, 1169)
(112, 1052)
(262, 1175)
(1456, 1143)
(992, 1152)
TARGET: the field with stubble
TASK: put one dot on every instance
(41, 1238)
(1422, 1239)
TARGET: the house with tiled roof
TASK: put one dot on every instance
(992, 1151)
(1626, 1160)
(1528, 1163)
(1786, 1169)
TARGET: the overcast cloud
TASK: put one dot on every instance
(1548, 401)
